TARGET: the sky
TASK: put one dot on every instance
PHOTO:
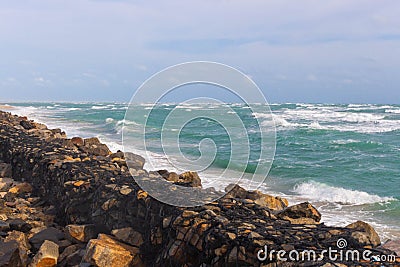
(336, 51)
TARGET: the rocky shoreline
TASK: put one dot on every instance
(72, 202)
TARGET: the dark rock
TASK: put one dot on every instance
(50, 233)
(23, 245)
(9, 254)
(19, 225)
(5, 170)
(129, 236)
(27, 124)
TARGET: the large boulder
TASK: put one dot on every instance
(303, 213)
(106, 251)
(365, 234)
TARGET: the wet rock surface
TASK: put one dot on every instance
(71, 202)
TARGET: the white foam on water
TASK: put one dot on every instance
(395, 111)
(320, 192)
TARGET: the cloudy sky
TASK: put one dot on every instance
(296, 51)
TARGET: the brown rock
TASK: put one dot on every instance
(236, 191)
(78, 141)
(21, 188)
(81, 233)
(271, 202)
(105, 251)
(9, 254)
(365, 234)
(190, 178)
(129, 236)
(47, 255)
(301, 211)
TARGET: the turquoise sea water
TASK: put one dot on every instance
(345, 159)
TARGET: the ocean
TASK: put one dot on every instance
(344, 159)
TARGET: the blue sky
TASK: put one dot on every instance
(297, 51)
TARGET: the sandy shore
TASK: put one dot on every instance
(6, 107)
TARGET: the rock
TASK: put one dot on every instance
(19, 225)
(300, 214)
(94, 147)
(129, 236)
(271, 202)
(51, 234)
(4, 226)
(9, 254)
(365, 234)
(5, 170)
(21, 188)
(134, 161)
(189, 178)
(23, 244)
(27, 125)
(92, 141)
(75, 259)
(236, 191)
(78, 141)
(47, 255)
(105, 251)
(5, 184)
(68, 251)
(393, 245)
(81, 233)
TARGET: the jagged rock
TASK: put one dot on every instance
(51, 234)
(23, 244)
(105, 251)
(303, 213)
(81, 233)
(9, 254)
(129, 236)
(365, 234)
(46, 256)
(5, 170)
(78, 141)
(134, 161)
(236, 191)
(28, 125)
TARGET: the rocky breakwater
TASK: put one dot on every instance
(71, 202)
